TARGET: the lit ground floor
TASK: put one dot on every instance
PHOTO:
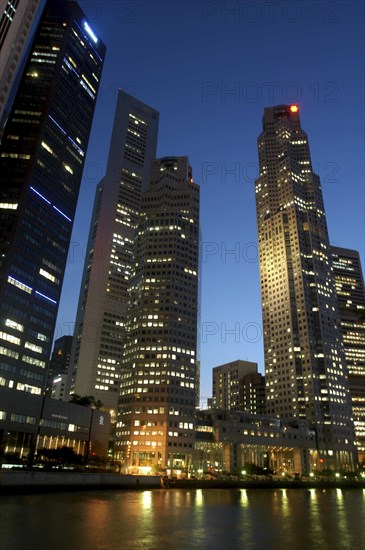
(30, 423)
(177, 462)
(234, 458)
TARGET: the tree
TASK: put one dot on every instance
(61, 455)
(85, 401)
(98, 404)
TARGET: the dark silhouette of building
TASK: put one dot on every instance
(58, 367)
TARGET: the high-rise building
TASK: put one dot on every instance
(305, 365)
(101, 314)
(16, 24)
(226, 380)
(350, 289)
(42, 156)
(160, 374)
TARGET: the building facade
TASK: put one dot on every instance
(16, 25)
(226, 384)
(60, 359)
(58, 389)
(233, 441)
(46, 423)
(58, 368)
(160, 374)
(101, 314)
(305, 364)
(350, 290)
(42, 156)
(252, 393)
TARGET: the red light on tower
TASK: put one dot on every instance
(294, 108)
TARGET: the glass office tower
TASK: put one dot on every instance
(42, 157)
(350, 289)
(17, 22)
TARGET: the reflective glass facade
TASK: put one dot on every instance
(42, 156)
(350, 289)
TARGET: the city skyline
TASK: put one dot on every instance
(216, 129)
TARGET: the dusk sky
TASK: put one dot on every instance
(210, 68)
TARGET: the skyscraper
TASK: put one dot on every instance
(160, 375)
(101, 314)
(304, 359)
(350, 289)
(16, 24)
(42, 156)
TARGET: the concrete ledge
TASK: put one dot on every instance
(15, 481)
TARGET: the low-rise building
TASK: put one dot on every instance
(226, 442)
(30, 422)
(226, 380)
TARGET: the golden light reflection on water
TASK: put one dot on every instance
(284, 503)
(199, 500)
(202, 519)
(147, 500)
(244, 498)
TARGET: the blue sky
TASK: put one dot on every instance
(210, 68)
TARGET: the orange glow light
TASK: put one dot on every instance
(294, 108)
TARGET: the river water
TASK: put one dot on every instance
(204, 519)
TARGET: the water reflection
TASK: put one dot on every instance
(244, 498)
(199, 497)
(211, 519)
(147, 500)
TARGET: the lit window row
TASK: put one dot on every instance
(10, 338)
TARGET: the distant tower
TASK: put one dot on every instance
(252, 393)
(101, 314)
(16, 25)
(42, 155)
(350, 289)
(160, 376)
(60, 358)
(304, 359)
(226, 383)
